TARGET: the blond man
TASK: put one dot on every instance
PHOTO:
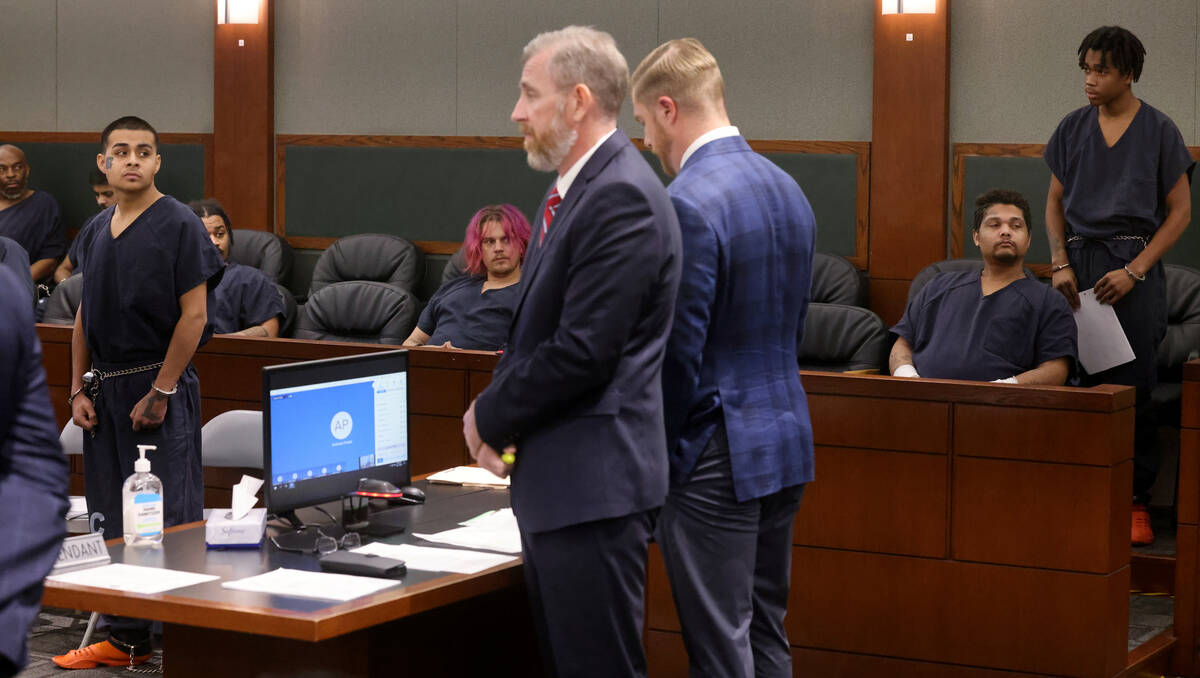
(738, 432)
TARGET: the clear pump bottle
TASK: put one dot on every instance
(142, 503)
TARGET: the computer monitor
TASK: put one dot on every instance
(329, 423)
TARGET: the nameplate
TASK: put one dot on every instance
(86, 550)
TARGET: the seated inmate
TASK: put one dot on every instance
(246, 302)
(475, 310)
(991, 325)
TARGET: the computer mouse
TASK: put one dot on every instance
(410, 495)
(375, 487)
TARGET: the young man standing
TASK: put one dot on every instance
(1119, 199)
(147, 278)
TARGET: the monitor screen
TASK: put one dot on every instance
(329, 423)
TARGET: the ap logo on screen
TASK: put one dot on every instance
(341, 425)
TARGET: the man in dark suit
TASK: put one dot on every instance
(33, 473)
(577, 396)
(738, 433)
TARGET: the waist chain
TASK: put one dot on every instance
(1080, 238)
(94, 377)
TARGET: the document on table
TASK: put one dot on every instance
(491, 531)
(306, 584)
(470, 475)
(433, 559)
(78, 507)
(132, 578)
(1102, 342)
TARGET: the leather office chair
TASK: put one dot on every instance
(64, 301)
(233, 439)
(948, 266)
(387, 259)
(287, 324)
(455, 267)
(837, 281)
(265, 251)
(843, 338)
(1182, 340)
(359, 310)
(14, 257)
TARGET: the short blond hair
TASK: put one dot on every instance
(683, 70)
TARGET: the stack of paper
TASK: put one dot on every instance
(470, 475)
(132, 578)
(437, 560)
(491, 531)
(305, 584)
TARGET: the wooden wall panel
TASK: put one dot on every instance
(909, 149)
(870, 500)
(437, 391)
(436, 443)
(1043, 435)
(660, 607)
(1011, 618)
(1190, 417)
(1187, 548)
(1041, 515)
(666, 657)
(1188, 506)
(813, 663)
(244, 118)
(904, 425)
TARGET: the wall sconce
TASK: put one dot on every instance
(910, 6)
(238, 11)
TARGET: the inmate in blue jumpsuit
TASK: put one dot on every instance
(35, 224)
(1114, 201)
(245, 298)
(459, 314)
(958, 333)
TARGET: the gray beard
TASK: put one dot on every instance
(549, 157)
(15, 195)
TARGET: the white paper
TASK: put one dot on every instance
(244, 497)
(1102, 342)
(474, 538)
(470, 475)
(306, 584)
(132, 578)
(433, 559)
(78, 508)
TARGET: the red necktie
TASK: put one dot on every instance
(552, 204)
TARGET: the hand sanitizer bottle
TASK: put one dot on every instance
(142, 503)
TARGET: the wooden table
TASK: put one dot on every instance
(438, 623)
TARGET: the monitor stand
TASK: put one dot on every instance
(381, 523)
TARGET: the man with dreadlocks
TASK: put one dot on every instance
(1119, 199)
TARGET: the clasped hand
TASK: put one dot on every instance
(149, 412)
(483, 454)
(1113, 286)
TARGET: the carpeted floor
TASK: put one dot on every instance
(57, 631)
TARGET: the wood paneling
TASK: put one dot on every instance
(660, 607)
(666, 657)
(814, 663)
(1190, 416)
(888, 298)
(437, 391)
(1012, 618)
(1054, 516)
(1188, 505)
(903, 425)
(244, 118)
(869, 500)
(436, 443)
(909, 148)
(1043, 435)
(1187, 549)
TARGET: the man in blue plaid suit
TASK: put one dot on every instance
(738, 431)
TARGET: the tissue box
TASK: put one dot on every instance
(223, 532)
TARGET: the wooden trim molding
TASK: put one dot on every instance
(202, 138)
(860, 149)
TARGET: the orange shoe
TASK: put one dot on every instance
(1141, 534)
(103, 653)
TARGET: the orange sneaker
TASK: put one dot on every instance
(1141, 534)
(103, 653)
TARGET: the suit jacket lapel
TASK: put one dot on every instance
(562, 216)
